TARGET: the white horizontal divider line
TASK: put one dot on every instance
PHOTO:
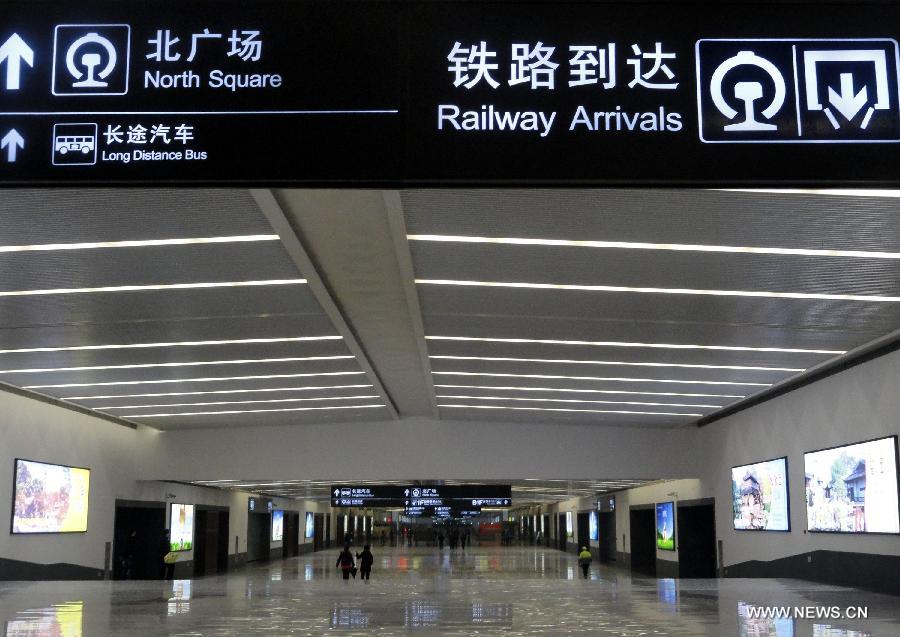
(247, 361)
(234, 341)
(590, 411)
(137, 243)
(587, 391)
(388, 111)
(235, 402)
(565, 361)
(224, 391)
(653, 290)
(609, 379)
(190, 380)
(145, 288)
(256, 411)
(641, 245)
(551, 341)
(572, 400)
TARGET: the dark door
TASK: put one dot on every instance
(291, 531)
(547, 530)
(319, 530)
(258, 537)
(138, 541)
(201, 540)
(607, 528)
(584, 530)
(222, 542)
(561, 532)
(328, 531)
(643, 541)
(696, 541)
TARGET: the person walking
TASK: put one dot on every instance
(346, 563)
(463, 537)
(584, 561)
(366, 559)
(441, 540)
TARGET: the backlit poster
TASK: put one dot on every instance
(277, 526)
(181, 527)
(853, 489)
(665, 526)
(593, 531)
(570, 533)
(310, 525)
(50, 498)
(760, 496)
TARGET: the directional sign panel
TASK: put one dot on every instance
(458, 496)
(392, 93)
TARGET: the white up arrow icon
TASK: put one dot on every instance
(12, 142)
(15, 51)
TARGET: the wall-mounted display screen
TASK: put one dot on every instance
(760, 496)
(181, 527)
(665, 526)
(570, 532)
(310, 525)
(593, 530)
(277, 525)
(50, 498)
(853, 489)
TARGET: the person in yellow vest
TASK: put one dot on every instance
(584, 561)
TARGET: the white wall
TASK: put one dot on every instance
(35, 430)
(39, 431)
(430, 449)
(651, 494)
(858, 404)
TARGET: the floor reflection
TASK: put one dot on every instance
(484, 591)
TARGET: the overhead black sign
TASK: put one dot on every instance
(468, 496)
(368, 92)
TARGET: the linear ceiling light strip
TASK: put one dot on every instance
(189, 380)
(688, 346)
(236, 341)
(236, 402)
(650, 290)
(256, 411)
(588, 391)
(146, 288)
(630, 364)
(247, 361)
(641, 245)
(222, 391)
(590, 411)
(571, 400)
(93, 245)
(597, 378)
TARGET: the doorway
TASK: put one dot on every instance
(138, 540)
(258, 537)
(696, 539)
(643, 539)
(547, 533)
(561, 532)
(318, 532)
(583, 528)
(606, 525)
(210, 540)
(291, 546)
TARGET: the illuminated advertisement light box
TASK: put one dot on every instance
(760, 496)
(50, 498)
(853, 488)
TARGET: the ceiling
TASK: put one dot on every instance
(640, 308)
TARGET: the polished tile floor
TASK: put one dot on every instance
(484, 591)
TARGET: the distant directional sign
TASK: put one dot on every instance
(12, 142)
(14, 52)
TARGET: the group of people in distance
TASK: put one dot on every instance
(348, 566)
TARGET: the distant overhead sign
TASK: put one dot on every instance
(393, 93)
(469, 496)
